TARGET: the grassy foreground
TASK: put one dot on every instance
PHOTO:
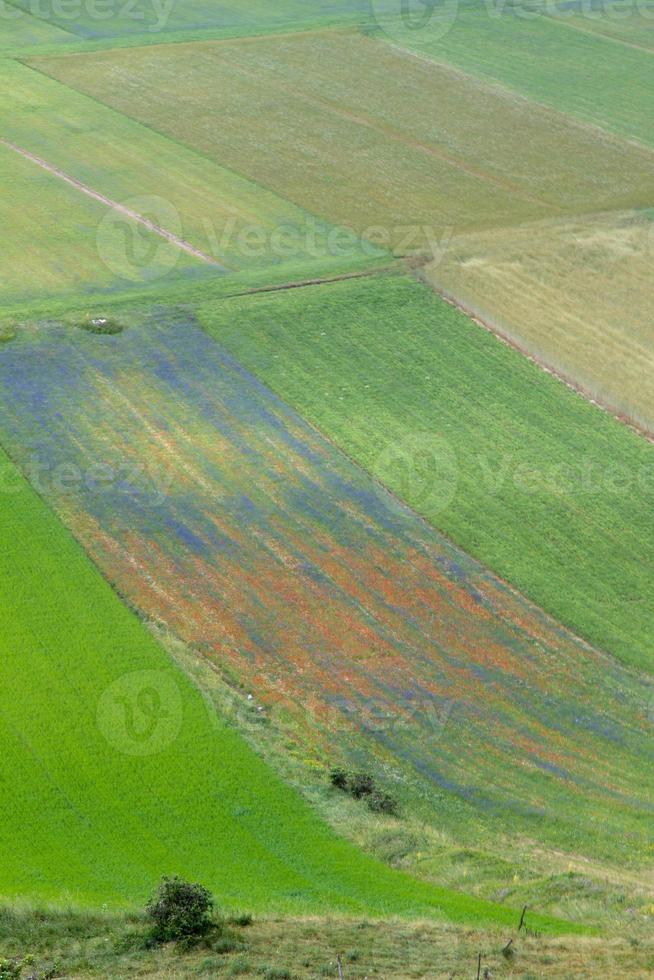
(546, 490)
(111, 946)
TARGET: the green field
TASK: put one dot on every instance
(256, 542)
(322, 120)
(19, 29)
(371, 533)
(120, 772)
(59, 243)
(577, 72)
(574, 292)
(552, 494)
(632, 24)
(142, 17)
(219, 211)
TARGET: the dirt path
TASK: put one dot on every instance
(323, 281)
(150, 225)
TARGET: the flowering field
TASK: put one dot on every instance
(213, 508)
(552, 494)
(114, 770)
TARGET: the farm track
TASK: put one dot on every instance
(120, 208)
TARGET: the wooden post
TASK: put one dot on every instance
(339, 961)
(522, 918)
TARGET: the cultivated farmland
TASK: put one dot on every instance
(254, 540)
(576, 294)
(21, 29)
(237, 223)
(548, 60)
(550, 493)
(310, 583)
(633, 25)
(321, 119)
(58, 246)
(148, 22)
(119, 770)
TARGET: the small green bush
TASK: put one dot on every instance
(180, 910)
(339, 778)
(101, 325)
(227, 944)
(238, 967)
(361, 785)
(380, 802)
(243, 920)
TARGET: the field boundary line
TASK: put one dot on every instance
(504, 87)
(601, 37)
(114, 205)
(487, 325)
(79, 44)
(320, 281)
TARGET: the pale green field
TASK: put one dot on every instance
(576, 294)
(229, 218)
(576, 71)
(624, 21)
(323, 119)
(51, 240)
(18, 29)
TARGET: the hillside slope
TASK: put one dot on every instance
(113, 770)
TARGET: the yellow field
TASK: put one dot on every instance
(365, 135)
(575, 293)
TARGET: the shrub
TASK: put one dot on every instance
(101, 325)
(243, 920)
(180, 910)
(361, 784)
(227, 944)
(383, 803)
(238, 967)
(339, 778)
